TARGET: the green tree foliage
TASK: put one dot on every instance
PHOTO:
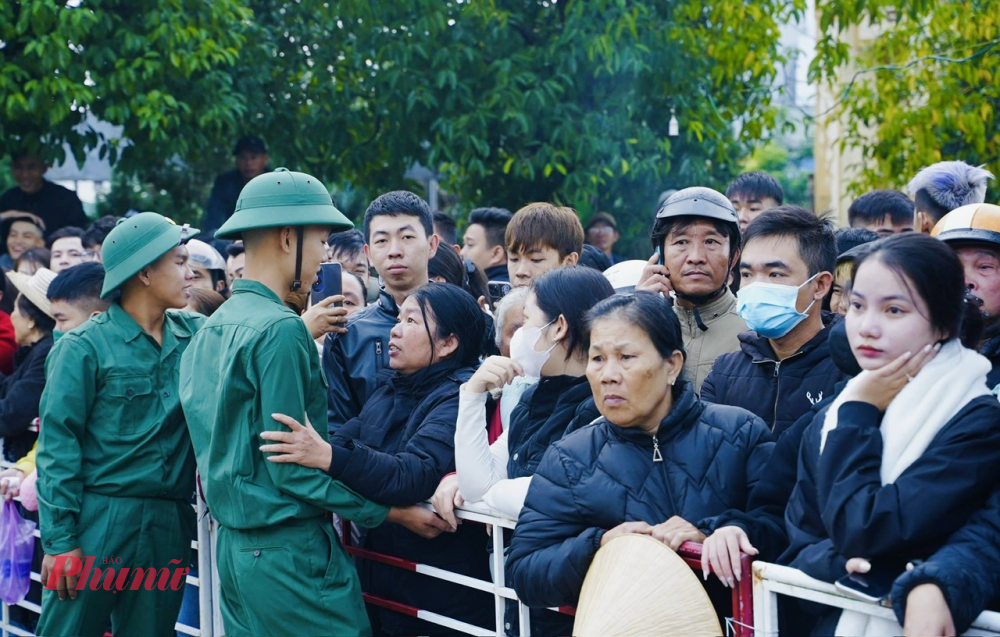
(510, 101)
(927, 89)
(159, 68)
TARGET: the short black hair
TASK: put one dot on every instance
(594, 257)
(494, 222)
(97, 231)
(43, 322)
(455, 312)
(461, 272)
(62, 233)
(571, 292)
(816, 241)
(445, 228)
(349, 242)
(756, 185)
(875, 205)
(850, 238)
(397, 203)
(80, 284)
(237, 248)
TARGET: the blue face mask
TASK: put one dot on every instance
(769, 308)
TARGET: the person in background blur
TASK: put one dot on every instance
(450, 268)
(483, 242)
(208, 266)
(66, 249)
(447, 231)
(602, 233)
(884, 212)
(21, 391)
(55, 205)
(94, 235)
(942, 187)
(354, 292)
(753, 193)
(204, 302)
(251, 160)
(348, 249)
(849, 246)
(22, 232)
(592, 257)
(33, 259)
(236, 262)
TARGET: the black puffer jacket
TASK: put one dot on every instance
(547, 411)
(780, 392)
(352, 361)
(966, 569)
(839, 508)
(602, 475)
(396, 452)
(991, 350)
(20, 395)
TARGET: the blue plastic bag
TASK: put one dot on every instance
(17, 545)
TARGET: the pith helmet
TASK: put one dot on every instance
(135, 243)
(976, 222)
(283, 198)
(699, 202)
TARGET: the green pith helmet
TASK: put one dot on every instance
(283, 198)
(135, 243)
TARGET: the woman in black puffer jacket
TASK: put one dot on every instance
(657, 452)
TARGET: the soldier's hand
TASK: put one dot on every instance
(323, 318)
(65, 584)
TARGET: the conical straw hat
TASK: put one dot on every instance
(637, 585)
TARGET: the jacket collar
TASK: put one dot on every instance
(248, 286)
(130, 330)
(41, 345)
(387, 303)
(710, 311)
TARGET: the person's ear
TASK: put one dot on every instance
(675, 366)
(144, 277)
(285, 238)
(924, 223)
(434, 241)
(824, 283)
(571, 259)
(446, 347)
(498, 255)
(561, 327)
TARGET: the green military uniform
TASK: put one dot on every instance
(115, 463)
(282, 569)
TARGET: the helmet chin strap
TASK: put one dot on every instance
(297, 283)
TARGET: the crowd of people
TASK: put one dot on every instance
(764, 384)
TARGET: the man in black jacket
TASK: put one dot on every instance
(784, 366)
(401, 241)
(58, 207)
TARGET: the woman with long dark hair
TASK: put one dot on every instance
(910, 448)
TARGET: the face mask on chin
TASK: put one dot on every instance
(769, 308)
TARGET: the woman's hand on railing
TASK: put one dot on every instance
(446, 499)
(302, 445)
(677, 531)
(720, 554)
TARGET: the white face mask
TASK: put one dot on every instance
(522, 349)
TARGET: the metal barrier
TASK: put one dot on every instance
(771, 580)
(741, 624)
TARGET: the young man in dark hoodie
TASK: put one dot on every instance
(784, 365)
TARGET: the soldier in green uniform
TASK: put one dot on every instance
(282, 569)
(115, 463)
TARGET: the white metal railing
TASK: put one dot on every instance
(771, 580)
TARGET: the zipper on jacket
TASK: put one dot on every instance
(657, 456)
(777, 394)
(378, 354)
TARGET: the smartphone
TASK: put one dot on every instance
(659, 256)
(498, 290)
(328, 283)
(873, 586)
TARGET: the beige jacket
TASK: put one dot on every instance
(703, 347)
